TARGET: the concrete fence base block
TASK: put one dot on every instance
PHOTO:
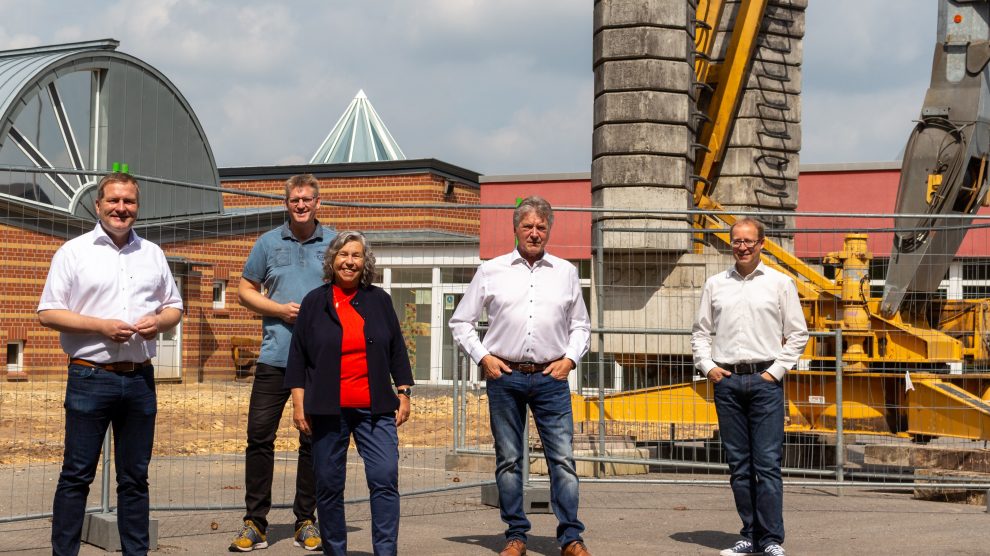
(473, 463)
(100, 530)
(536, 499)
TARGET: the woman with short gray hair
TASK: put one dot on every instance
(346, 354)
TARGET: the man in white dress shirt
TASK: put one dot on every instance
(109, 293)
(538, 331)
(749, 332)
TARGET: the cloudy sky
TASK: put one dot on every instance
(496, 86)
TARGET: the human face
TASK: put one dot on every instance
(746, 247)
(118, 209)
(532, 233)
(302, 204)
(348, 265)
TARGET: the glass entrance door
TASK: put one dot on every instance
(414, 305)
(449, 350)
(168, 358)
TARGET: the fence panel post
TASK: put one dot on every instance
(840, 444)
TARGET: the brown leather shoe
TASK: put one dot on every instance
(576, 548)
(514, 547)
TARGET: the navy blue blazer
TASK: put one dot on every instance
(314, 353)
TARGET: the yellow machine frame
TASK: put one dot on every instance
(885, 388)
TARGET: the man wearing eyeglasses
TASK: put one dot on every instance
(749, 332)
(284, 265)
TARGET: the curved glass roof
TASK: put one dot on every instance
(359, 135)
(69, 112)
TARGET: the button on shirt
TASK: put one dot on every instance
(536, 313)
(753, 318)
(91, 276)
(287, 270)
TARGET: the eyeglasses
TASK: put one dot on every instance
(301, 200)
(744, 242)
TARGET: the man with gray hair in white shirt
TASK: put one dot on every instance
(749, 332)
(538, 330)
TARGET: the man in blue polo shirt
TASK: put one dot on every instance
(284, 265)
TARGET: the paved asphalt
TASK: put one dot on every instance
(621, 519)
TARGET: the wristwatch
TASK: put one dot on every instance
(407, 391)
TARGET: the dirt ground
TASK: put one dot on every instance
(211, 418)
(203, 418)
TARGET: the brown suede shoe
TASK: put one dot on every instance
(514, 547)
(575, 548)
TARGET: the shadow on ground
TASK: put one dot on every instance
(284, 533)
(535, 545)
(710, 539)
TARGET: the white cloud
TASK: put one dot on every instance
(71, 33)
(530, 140)
(856, 44)
(858, 127)
(17, 40)
(209, 36)
(865, 72)
(492, 85)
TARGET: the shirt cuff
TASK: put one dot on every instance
(479, 354)
(706, 366)
(777, 371)
(575, 358)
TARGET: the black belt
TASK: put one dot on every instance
(746, 368)
(524, 367)
(116, 367)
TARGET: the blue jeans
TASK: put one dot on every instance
(550, 401)
(378, 445)
(268, 397)
(94, 400)
(751, 424)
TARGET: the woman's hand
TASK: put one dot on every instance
(405, 407)
(299, 418)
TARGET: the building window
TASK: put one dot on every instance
(219, 294)
(457, 274)
(15, 356)
(412, 275)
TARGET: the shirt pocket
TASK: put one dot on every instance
(146, 283)
(281, 257)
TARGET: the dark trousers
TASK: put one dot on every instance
(751, 424)
(94, 400)
(378, 445)
(268, 397)
(550, 401)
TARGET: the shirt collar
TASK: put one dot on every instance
(103, 237)
(519, 259)
(760, 269)
(287, 232)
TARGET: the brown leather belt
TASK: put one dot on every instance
(117, 367)
(524, 367)
(747, 368)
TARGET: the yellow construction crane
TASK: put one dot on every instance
(884, 352)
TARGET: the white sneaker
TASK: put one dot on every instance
(773, 549)
(741, 548)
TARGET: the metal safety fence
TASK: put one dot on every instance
(900, 403)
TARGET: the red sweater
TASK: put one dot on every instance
(354, 390)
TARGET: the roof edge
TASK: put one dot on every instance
(852, 166)
(515, 178)
(407, 166)
(99, 44)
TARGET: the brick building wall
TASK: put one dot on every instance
(426, 189)
(206, 332)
